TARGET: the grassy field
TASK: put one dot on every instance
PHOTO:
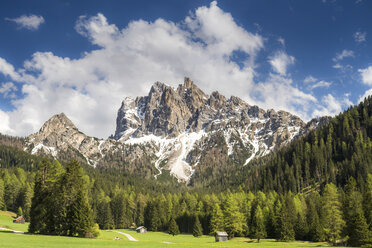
(150, 239)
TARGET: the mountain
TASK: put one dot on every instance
(181, 131)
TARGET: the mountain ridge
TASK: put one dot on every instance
(174, 129)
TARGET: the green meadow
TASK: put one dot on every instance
(106, 239)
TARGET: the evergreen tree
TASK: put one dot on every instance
(216, 222)
(258, 225)
(2, 202)
(42, 204)
(315, 232)
(173, 227)
(356, 225)
(332, 219)
(235, 221)
(79, 217)
(197, 229)
(287, 219)
(368, 201)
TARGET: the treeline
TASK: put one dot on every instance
(335, 215)
(67, 202)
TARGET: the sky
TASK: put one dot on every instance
(311, 58)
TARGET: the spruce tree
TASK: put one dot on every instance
(2, 189)
(173, 227)
(287, 219)
(332, 219)
(356, 225)
(367, 202)
(258, 224)
(42, 203)
(79, 217)
(197, 229)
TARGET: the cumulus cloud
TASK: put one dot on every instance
(7, 90)
(366, 75)
(280, 61)
(30, 22)
(366, 94)
(344, 54)
(4, 123)
(128, 61)
(331, 106)
(360, 37)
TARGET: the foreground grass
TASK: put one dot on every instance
(150, 239)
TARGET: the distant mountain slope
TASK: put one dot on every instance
(331, 153)
(183, 131)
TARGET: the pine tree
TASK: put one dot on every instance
(42, 204)
(173, 227)
(216, 222)
(79, 217)
(258, 224)
(2, 189)
(287, 219)
(197, 229)
(356, 225)
(332, 219)
(368, 201)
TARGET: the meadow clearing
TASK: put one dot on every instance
(106, 239)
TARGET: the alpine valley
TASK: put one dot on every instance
(182, 132)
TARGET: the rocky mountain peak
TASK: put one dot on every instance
(177, 129)
(56, 124)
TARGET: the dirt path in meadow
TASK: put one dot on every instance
(130, 237)
(10, 230)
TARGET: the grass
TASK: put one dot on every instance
(6, 221)
(150, 239)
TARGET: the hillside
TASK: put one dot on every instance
(331, 153)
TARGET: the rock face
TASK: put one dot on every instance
(179, 121)
(177, 130)
(60, 134)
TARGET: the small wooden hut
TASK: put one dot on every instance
(141, 229)
(221, 236)
(19, 220)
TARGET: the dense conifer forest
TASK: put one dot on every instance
(318, 188)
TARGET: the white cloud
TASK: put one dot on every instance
(8, 70)
(366, 94)
(321, 84)
(4, 123)
(278, 93)
(280, 61)
(366, 75)
(30, 22)
(7, 90)
(331, 107)
(360, 37)
(344, 54)
(90, 89)
(310, 79)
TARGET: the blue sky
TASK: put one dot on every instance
(83, 58)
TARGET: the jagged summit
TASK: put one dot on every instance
(57, 123)
(181, 130)
(179, 122)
